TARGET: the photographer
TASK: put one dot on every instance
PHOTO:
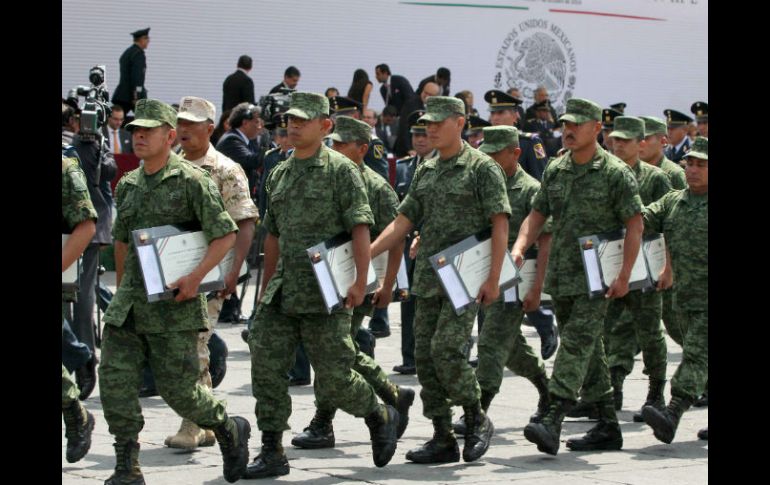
(236, 143)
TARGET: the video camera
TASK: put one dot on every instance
(276, 103)
(96, 109)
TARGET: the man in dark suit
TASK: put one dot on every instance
(404, 141)
(442, 78)
(235, 143)
(678, 142)
(238, 86)
(395, 89)
(118, 139)
(386, 127)
(290, 80)
(133, 66)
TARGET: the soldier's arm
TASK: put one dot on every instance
(242, 244)
(272, 253)
(392, 236)
(361, 255)
(532, 299)
(490, 290)
(528, 232)
(77, 242)
(121, 251)
(632, 240)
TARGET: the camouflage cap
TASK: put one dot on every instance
(699, 148)
(196, 109)
(151, 113)
(653, 126)
(348, 129)
(308, 105)
(439, 108)
(629, 128)
(498, 137)
(581, 110)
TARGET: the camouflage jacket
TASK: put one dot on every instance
(653, 182)
(76, 205)
(674, 172)
(683, 218)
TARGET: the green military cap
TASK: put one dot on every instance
(608, 117)
(498, 137)
(140, 33)
(349, 129)
(151, 113)
(628, 127)
(620, 107)
(675, 118)
(699, 148)
(653, 126)
(701, 111)
(308, 105)
(499, 100)
(581, 110)
(475, 124)
(439, 108)
(415, 125)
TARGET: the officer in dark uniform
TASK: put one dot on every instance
(503, 111)
(273, 157)
(619, 107)
(608, 124)
(474, 127)
(404, 173)
(133, 66)
(376, 155)
(701, 111)
(678, 142)
(544, 126)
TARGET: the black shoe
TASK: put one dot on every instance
(474, 363)
(703, 434)
(218, 360)
(665, 422)
(85, 377)
(435, 451)
(271, 461)
(148, 392)
(546, 433)
(584, 410)
(380, 332)
(127, 470)
(458, 427)
(233, 438)
(245, 335)
(702, 401)
(383, 428)
(404, 401)
(603, 436)
(299, 381)
(549, 342)
(319, 434)
(541, 383)
(478, 433)
(654, 398)
(406, 370)
(78, 429)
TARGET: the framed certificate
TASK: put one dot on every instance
(167, 253)
(603, 258)
(335, 270)
(654, 248)
(70, 278)
(527, 274)
(401, 286)
(463, 267)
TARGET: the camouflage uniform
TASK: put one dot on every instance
(309, 201)
(452, 199)
(76, 208)
(584, 199)
(163, 333)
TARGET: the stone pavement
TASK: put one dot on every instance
(511, 458)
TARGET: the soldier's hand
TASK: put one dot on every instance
(532, 300)
(382, 298)
(665, 279)
(488, 292)
(518, 257)
(618, 289)
(187, 286)
(231, 284)
(355, 295)
(414, 247)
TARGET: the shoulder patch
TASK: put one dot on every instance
(539, 150)
(378, 150)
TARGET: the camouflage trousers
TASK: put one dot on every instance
(691, 376)
(173, 359)
(213, 307)
(330, 349)
(676, 329)
(442, 369)
(69, 389)
(501, 344)
(631, 319)
(369, 369)
(581, 353)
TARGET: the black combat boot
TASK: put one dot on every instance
(319, 433)
(459, 426)
(478, 432)
(271, 461)
(654, 398)
(383, 428)
(584, 410)
(704, 434)
(442, 448)
(617, 376)
(402, 399)
(545, 434)
(127, 471)
(233, 438)
(78, 426)
(704, 399)
(664, 423)
(541, 383)
(604, 436)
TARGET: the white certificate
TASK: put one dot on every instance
(70, 277)
(603, 259)
(655, 254)
(179, 255)
(401, 285)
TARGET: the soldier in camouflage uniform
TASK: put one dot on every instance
(454, 196)
(351, 138)
(165, 190)
(501, 343)
(195, 123)
(682, 216)
(79, 221)
(587, 191)
(314, 195)
(622, 333)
